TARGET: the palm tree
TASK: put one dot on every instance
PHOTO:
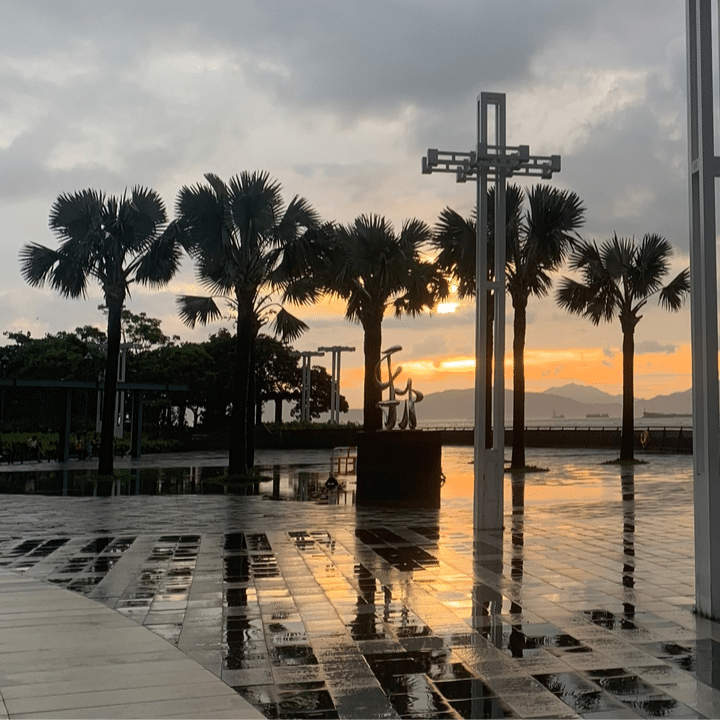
(618, 278)
(538, 248)
(373, 269)
(537, 242)
(116, 241)
(237, 233)
(454, 239)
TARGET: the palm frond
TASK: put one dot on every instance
(454, 240)
(651, 263)
(673, 294)
(302, 291)
(582, 299)
(36, 263)
(145, 216)
(287, 326)
(201, 217)
(255, 204)
(159, 263)
(618, 255)
(194, 309)
(298, 217)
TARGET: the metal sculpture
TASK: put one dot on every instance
(409, 418)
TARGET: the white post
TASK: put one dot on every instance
(500, 162)
(703, 168)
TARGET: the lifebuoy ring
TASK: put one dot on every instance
(645, 438)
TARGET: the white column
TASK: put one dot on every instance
(703, 168)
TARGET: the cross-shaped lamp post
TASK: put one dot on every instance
(335, 382)
(497, 162)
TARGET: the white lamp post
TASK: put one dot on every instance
(496, 161)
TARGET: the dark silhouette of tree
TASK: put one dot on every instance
(237, 234)
(455, 240)
(116, 241)
(277, 375)
(618, 278)
(537, 242)
(544, 236)
(373, 269)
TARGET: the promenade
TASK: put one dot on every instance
(582, 607)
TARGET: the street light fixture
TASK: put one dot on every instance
(306, 380)
(335, 382)
(496, 162)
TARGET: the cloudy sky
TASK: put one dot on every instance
(339, 101)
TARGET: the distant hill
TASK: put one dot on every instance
(583, 394)
(459, 404)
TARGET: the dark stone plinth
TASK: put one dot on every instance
(401, 468)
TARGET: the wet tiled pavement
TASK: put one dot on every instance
(581, 607)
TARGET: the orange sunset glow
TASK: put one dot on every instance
(655, 373)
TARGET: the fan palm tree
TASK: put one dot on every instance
(237, 233)
(373, 269)
(618, 278)
(116, 241)
(536, 244)
(454, 239)
(543, 238)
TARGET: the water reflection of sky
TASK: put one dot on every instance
(572, 476)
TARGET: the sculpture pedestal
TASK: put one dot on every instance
(399, 468)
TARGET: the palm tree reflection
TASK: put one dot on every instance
(627, 484)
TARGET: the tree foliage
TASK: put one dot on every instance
(238, 233)
(617, 280)
(114, 241)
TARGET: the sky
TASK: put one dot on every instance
(339, 101)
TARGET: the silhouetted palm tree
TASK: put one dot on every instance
(618, 278)
(374, 269)
(237, 234)
(536, 244)
(455, 239)
(116, 241)
(545, 234)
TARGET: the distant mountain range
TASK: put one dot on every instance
(569, 401)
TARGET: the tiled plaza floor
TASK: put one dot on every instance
(581, 607)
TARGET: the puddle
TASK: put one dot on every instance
(298, 482)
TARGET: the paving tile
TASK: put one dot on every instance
(417, 585)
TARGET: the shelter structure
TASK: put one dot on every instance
(136, 391)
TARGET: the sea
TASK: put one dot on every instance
(675, 421)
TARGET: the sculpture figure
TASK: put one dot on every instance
(390, 405)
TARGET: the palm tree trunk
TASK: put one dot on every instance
(107, 433)
(628, 419)
(518, 433)
(252, 401)
(238, 456)
(372, 344)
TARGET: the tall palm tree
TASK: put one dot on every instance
(116, 241)
(618, 278)
(543, 238)
(374, 269)
(454, 239)
(536, 244)
(237, 233)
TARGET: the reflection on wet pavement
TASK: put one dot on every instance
(580, 608)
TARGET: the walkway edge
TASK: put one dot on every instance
(65, 655)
